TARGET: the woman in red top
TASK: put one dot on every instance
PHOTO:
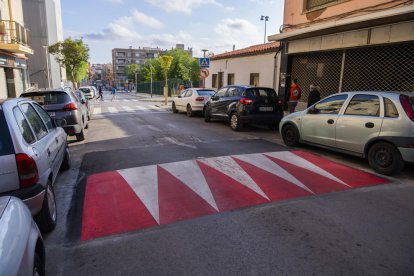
(294, 95)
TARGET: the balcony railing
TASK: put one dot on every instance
(12, 32)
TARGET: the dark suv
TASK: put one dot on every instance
(242, 104)
(63, 104)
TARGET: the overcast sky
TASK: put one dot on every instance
(200, 24)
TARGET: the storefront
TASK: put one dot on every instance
(13, 76)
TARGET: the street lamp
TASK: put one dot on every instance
(265, 19)
(47, 66)
(204, 51)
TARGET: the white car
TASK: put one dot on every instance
(88, 91)
(21, 245)
(192, 100)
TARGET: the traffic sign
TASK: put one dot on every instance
(204, 73)
(204, 62)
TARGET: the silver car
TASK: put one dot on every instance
(378, 126)
(192, 100)
(22, 250)
(33, 148)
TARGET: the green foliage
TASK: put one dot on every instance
(131, 70)
(165, 63)
(82, 72)
(72, 54)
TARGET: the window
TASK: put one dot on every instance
(230, 79)
(390, 109)
(220, 79)
(46, 118)
(206, 92)
(34, 120)
(189, 93)
(331, 105)
(221, 92)
(312, 4)
(23, 126)
(363, 105)
(182, 95)
(49, 97)
(254, 79)
(214, 81)
(6, 144)
(232, 92)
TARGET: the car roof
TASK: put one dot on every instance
(45, 90)
(390, 93)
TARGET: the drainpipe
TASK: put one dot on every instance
(275, 71)
(10, 10)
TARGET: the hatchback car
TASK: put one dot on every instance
(61, 104)
(241, 105)
(85, 103)
(22, 249)
(88, 91)
(378, 126)
(192, 100)
(33, 148)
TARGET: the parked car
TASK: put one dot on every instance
(378, 126)
(22, 249)
(95, 91)
(33, 148)
(88, 91)
(66, 105)
(85, 103)
(192, 100)
(242, 104)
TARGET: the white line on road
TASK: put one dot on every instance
(112, 109)
(128, 109)
(97, 111)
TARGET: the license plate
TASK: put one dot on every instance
(52, 114)
(266, 108)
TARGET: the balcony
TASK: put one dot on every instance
(14, 38)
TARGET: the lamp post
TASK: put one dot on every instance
(47, 66)
(264, 18)
(151, 79)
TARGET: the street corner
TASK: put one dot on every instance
(115, 202)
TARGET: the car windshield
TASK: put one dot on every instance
(206, 92)
(6, 145)
(261, 94)
(47, 98)
(85, 90)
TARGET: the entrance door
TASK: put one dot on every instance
(3, 85)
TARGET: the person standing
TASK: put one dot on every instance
(314, 95)
(294, 95)
(113, 92)
(100, 93)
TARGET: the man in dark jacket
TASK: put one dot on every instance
(314, 95)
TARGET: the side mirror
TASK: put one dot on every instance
(313, 110)
(60, 122)
(83, 101)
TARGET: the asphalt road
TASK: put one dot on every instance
(361, 231)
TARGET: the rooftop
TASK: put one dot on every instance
(249, 51)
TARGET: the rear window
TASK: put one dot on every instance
(6, 145)
(261, 94)
(85, 90)
(206, 92)
(48, 98)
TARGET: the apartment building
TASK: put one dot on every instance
(347, 45)
(44, 20)
(14, 46)
(101, 73)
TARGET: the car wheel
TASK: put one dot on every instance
(290, 136)
(235, 123)
(384, 158)
(80, 136)
(207, 115)
(38, 266)
(66, 163)
(189, 111)
(174, 108)
(47, 217)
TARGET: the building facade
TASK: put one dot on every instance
(256, 65)
(101, 74)
(347, 45)
(43, 18)
(14, 46)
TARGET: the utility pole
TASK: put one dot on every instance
(151, 79)
(136, 81)
(264, 18)
(47, 66)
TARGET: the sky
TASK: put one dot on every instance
(215, 25)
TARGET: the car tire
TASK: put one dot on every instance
(174, 108)
(66, 163)
(290, 135)
(80, 136)
(47, 218)
(235, 123)
(38, 265)
(189, 111)
(385, 159)
(207, 115)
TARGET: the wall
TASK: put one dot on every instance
(241, 67)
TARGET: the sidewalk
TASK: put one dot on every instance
(146, 97)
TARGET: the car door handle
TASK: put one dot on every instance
(48, 152)
(330, 121)
(57, 140)
(369, 125)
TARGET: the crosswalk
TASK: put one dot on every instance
(108, 110)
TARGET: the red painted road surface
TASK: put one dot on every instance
(131, 199)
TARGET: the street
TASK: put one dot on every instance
(156, 193)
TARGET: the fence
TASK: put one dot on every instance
(158, 87)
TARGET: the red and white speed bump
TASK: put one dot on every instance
(137, 198)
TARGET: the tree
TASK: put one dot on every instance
(72, 54)
(165, 63)
(131, 70)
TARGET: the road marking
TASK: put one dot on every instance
(112, 109)
(128, 109)
(134, 100)
(140, 108)
(97, 111)
(153, 107)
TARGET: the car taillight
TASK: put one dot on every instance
(69, 107)
(246, 101)
(405, 103)
(199, 99)
(27, 169)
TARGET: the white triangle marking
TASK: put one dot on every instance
(191, 175)
(97, 111)
(303, 163)
(112, 109)
(128, 109)
(230, 168)
(264, 163)
(144, 182)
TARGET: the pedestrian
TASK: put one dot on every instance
(100, 93)
(294, 95)
(314, 95)
(113, 92)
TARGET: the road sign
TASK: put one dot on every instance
(204, 62)
(204, 73)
